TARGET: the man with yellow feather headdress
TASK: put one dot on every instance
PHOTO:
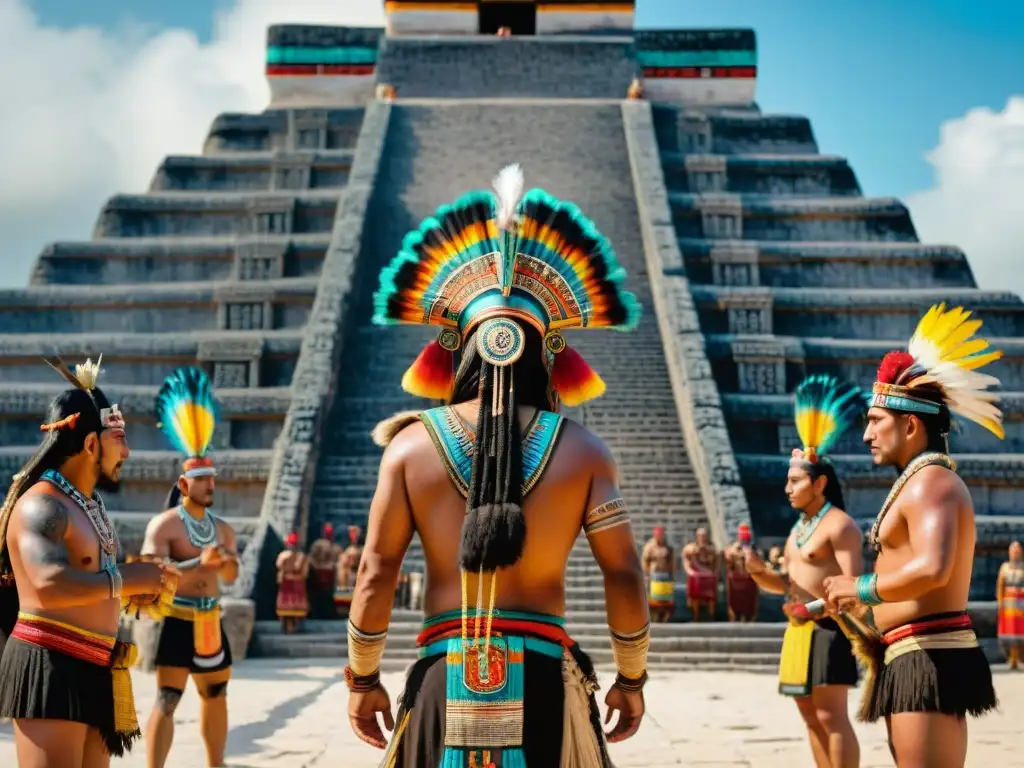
(926, 670)
(817, 667)
(498, 486)
(64, 677)
(203, 548)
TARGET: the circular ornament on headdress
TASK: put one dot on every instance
(555, 342)
(500, 341)
(448, 339)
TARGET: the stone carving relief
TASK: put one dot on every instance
(230, 375)
(722, 216)
(695, 134)
(760, 367)
(250, 316)
(735, 264)
(706, 173)
(749, 314)
(309, 130)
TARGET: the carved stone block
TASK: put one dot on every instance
(248, 316)
(760, 367)
(272, 216)
(291, 173)
(706, 173)
(735, 264)
(257, 260)
(308, 130)
(722, 216)
(695, 134)
(230, 375)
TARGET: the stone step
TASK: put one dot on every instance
(257, 171)
(777, 175)
(733, 132)
(284, 129)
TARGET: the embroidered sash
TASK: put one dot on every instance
(204, 613)
(795, 660)
(454, 444)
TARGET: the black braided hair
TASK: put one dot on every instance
(494, 531)
(833, 490)
(58, 446)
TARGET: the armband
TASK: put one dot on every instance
(364, 653)
(630, 652)
(608, 515)
(867, 589)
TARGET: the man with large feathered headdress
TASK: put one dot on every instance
(204, 548)
(62, 583)
(927, 672)
(498, 486)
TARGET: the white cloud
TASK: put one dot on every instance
(87, 113)
(977, 202)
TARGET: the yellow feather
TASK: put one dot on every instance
(974, 363)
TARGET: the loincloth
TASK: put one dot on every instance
(662, 591)
(933, 664)
(292, 600)
(54, 671)
(701, 587)
(743, 593)
(815, 653)
(1011, 616)
(531, 704)
(192, 636)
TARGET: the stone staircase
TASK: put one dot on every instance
(215, 265)
(575, 151)
(792, 272)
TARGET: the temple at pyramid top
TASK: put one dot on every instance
(488, 17)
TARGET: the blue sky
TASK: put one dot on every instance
(876, 77)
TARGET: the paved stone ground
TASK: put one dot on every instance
(291, 715)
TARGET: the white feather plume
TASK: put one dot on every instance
(508, 184)
(88, 373)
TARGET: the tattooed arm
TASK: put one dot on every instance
(42, 528)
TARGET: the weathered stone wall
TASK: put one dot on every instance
(732, 133)
(295, 455)
(696, 393)
(528, 67)
(785, 176)
(285, 130)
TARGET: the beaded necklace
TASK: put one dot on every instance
(923, 460)
(202, 532)
(805, 527)
(94, 509)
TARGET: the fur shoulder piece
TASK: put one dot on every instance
(387, 430)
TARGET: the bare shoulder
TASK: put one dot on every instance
(690, 548)
(842, 523)
(43, 511)
(937, 485)
(163, 522)
(585, 447)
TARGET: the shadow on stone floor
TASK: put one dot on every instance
(243, 740)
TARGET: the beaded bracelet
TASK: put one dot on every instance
(630, 685)
(361, 683)
(867, 589)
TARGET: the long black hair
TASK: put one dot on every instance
(57, 447)
(494, 531)
(833, 490)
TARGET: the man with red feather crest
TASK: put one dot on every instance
(926, 672)
(499, 485)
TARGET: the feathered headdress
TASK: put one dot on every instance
(187, 414)
(940, 370)
(493, 261)
(824, 408)
(85, 378)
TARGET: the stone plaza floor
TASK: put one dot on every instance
(291, 714)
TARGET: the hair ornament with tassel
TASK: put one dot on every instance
(824, 408)
(940, 370)
(187, 413)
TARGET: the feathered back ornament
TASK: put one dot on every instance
(824, 409)
(187, 414)
(530, 259)
(940, 369)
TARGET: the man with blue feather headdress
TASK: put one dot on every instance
(204, 548)
(499, 485)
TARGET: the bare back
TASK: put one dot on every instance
(932, 519)
(833, 549)
(48, 529)
(554, 511)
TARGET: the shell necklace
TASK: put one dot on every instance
(805, 527)
(202, 532)
(94, 509)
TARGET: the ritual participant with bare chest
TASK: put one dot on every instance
(659, 564)
(1010, 597)
(741, 592)
(927, 671)
(700, 562)
(818, 667)
(323, 569)
(187, 533)
(64, 676)
(348, 564)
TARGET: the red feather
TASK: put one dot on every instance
(894, 365)
(432, 374)
(574, 380)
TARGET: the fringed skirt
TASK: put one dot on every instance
(933, 664)
(39, 683)
(529, 704)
